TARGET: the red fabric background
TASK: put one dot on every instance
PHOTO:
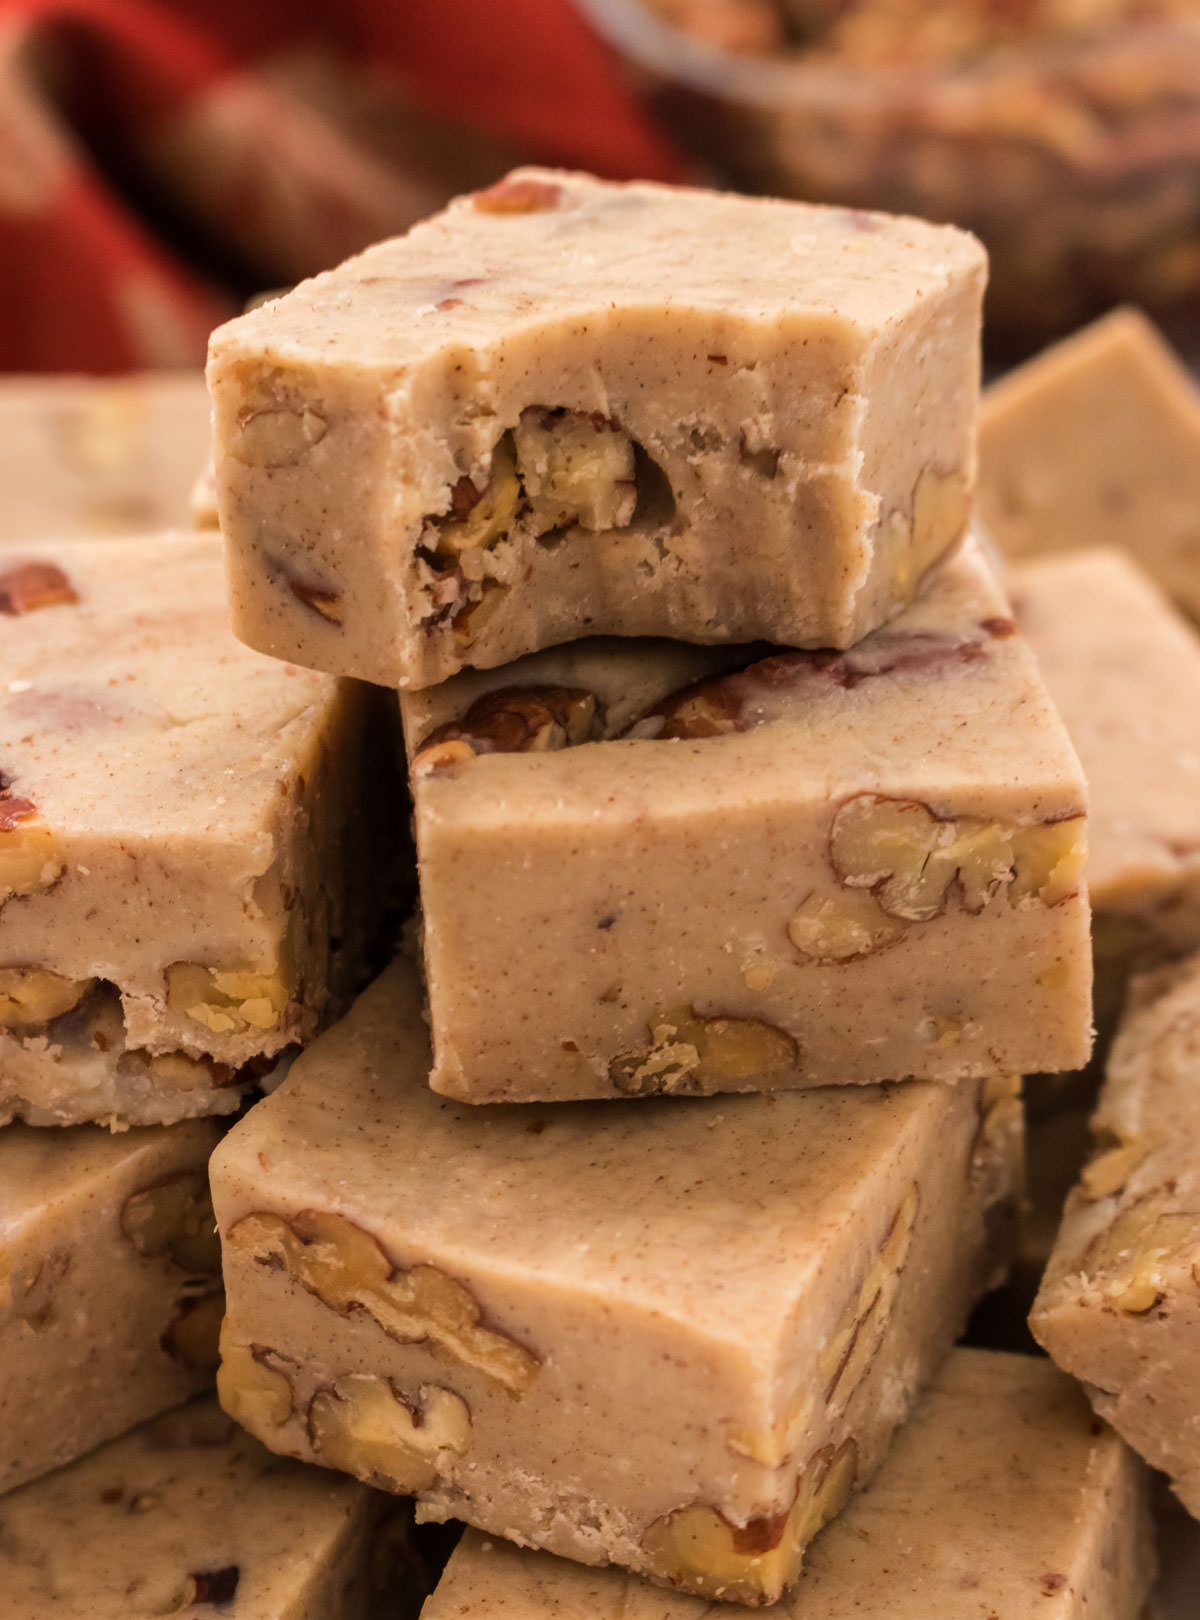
(162, 159)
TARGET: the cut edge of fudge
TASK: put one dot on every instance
(1119, 1305)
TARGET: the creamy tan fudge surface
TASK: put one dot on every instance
(1119, 1307)
(1097, 442)
(110, 1295)
(187, 1516)
(565, 407)
(1002, 1498)
(821, 868)
(672, 1335)
(99, 456)
(176, 836)
(1124, 670)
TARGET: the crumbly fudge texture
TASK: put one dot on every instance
(1002, 1497)
(1097, 442)
(178, 837)
(565, 407)
(187, 1516)
(672, 1335)
(1124, 670)
(817, 868)
(110, 1294)
(1119, 1307)
(99, 456)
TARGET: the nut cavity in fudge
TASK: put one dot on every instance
(110, 1294)
(1096, 442)
(188, 1515)
(811, 868)
(566, 407)
(1119, 1307)
(89, 456)
(1000, 1497)
(1111, 650)
(671, 1334)
(175, 816)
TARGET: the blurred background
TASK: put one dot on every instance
(161, 161)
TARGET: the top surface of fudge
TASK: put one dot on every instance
(1124, 670)
(751, 1184)
(126, 705)
(185, 1516)
(1001, 1497)
(485, 265)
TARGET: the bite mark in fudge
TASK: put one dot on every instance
(644, 411)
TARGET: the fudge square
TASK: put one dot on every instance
(110, 1293)
(1001, 1498)
(1097, 442)
(565, 407)
(175, 820)
(188, 1516)
(1119, 1307)
(1124, 671)
(673, 1335)
(99, 455)
(815, 869)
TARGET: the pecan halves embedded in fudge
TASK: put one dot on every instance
(182, 881)
(1124, 670)
(669, 1335)
(188, 1515)
(813, 868)
(565, 407)
(1096, 442)
(109, 1286)
(1000, 1496)
(1119, 1307)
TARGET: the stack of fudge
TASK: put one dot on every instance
(632, 1214)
